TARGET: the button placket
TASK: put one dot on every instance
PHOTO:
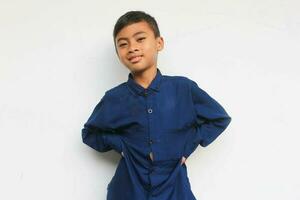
(150, 123)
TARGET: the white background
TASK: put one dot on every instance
(57, 60)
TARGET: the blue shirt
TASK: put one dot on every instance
(169, 118)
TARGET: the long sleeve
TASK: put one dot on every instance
(212, 119)
(96, 135)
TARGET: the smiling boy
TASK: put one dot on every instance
(137, 47)
(154, 121)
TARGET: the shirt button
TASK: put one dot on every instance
(150, 141)
(149, 110)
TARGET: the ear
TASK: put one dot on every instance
(160, 43)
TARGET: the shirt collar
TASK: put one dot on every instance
(138, 89)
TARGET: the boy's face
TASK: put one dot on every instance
(137, 47)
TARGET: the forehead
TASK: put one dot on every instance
(133, 30)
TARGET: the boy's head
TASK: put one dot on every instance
(137, 40)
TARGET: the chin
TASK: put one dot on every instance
(137, 69)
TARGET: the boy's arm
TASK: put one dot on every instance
(95, 133)
(212, 119)
(101, 141)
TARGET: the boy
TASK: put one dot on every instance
(154, 121)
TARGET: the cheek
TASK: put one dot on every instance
(122, 56)
(149, 48)
(151, 52)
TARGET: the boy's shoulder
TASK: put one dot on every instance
(177, 78)
(117, 90)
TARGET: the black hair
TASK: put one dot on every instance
(131, 17)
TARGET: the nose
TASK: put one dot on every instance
(133, 47)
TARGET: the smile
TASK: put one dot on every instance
(135, 59)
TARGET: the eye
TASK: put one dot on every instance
(141, 38)
(122, 44)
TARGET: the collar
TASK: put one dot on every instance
(138, 89)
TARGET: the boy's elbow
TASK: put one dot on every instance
(215, 130)
(226, 121)
(229, 119)
(88, 138)
(92, 140)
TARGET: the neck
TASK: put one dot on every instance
(144, 78)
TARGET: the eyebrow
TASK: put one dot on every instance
(123, 38)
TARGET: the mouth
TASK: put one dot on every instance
(135, 59)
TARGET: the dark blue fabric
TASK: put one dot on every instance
(169, 118)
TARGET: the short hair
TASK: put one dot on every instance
(131, 17)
